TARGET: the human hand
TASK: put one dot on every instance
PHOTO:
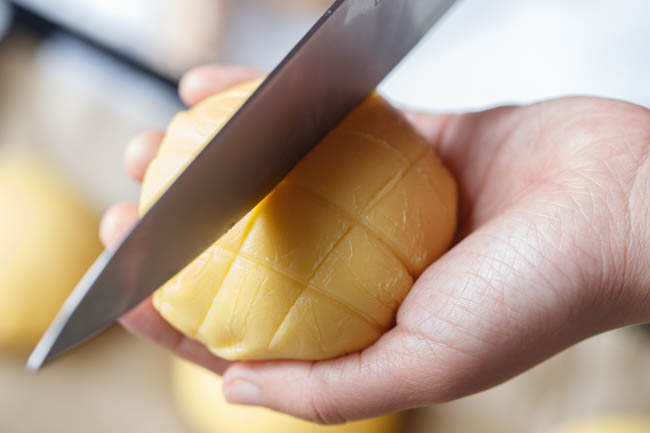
(553, 248)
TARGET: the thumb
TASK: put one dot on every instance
(377, 381)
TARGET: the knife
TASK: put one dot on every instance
(336, 65)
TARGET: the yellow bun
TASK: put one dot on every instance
(608, 424)
(48, 238)
(320, 266)
(201, 402)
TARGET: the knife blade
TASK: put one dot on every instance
(336, 65)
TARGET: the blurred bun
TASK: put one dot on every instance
(200, 400)
(48, 238)
(608, 424)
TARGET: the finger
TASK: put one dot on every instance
(453, 135)
(117, 222)
(140, 151)
(201, 82)
(144, 321)
(380, 380)
(430, 125)
(473, 146)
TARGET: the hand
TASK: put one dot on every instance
(553, 248)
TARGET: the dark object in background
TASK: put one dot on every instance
(39, 26)
(6, 16)
(166, 36)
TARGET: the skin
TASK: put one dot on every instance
(553, 248)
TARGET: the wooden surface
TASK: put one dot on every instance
(116, 383)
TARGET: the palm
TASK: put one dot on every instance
(548, 198)
(537, 243)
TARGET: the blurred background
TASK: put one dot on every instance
(78, 78)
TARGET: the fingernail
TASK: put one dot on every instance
(137, 148)
(243, 392)
(191, 82)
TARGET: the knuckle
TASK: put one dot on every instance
(324, 411)
(322, 408)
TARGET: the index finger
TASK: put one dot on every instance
(204, 81)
